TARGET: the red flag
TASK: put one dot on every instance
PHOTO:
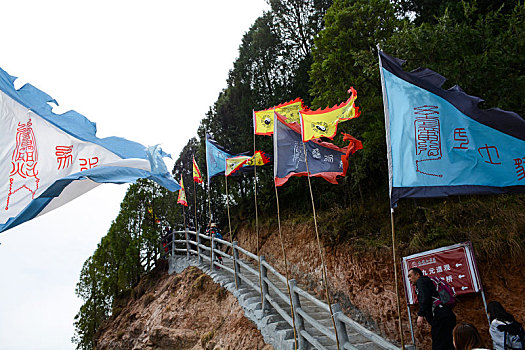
(196, 172)
(182, 194)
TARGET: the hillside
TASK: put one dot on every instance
(362, 280)
(189, 311)
(470, 45)
(184, 311)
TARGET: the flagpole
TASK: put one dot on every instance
(185, 232)
(323, 266)
(285, 265)
(230, 227)
(208, 178)
(256, 213)
(389, 158)
(209, 202)
(283, 250)
(195, 204)
(396, 278)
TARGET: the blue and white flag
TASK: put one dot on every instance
(440, 143)
(215, 158)
(48, 159)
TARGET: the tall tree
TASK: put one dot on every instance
(345, 55)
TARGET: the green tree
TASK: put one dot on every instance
(345, 55)
(483, 54)
(131, 245)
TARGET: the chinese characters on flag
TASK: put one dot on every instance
(454, 264)
(64, 156)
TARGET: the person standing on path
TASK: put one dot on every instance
(440, 317)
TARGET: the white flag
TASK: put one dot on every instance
(48, 159)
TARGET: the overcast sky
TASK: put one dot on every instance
(145, 71)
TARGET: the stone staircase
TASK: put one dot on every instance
(273, 325)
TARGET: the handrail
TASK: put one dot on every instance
(365, 332)
(283, 296)
(342, 321)
(316, 324)
(281, 312)
(247, 253)
(274, 271)
(312, 299)
(247, 267)
(222, 241)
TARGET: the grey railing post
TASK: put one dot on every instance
(236, 263)
(212, 251)
(198, 246)
(187, 243)
(264, 287)
(299, 322)
(172, 253)
(339, 325)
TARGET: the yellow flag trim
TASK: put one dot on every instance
(323, 123)
(263, 120)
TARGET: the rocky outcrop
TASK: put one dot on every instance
(180, 311)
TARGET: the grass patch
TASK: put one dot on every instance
(207, 337)
(494, 224)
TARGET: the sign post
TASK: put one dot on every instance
(453, 264)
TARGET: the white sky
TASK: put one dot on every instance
(145, 71)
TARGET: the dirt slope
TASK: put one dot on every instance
(362, 281)
(185, 311)
(189, 311)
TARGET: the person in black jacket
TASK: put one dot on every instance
(440, 317)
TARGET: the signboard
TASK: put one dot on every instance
(454, 264)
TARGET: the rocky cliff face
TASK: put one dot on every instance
(184, 311)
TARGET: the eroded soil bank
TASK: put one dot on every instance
(184, 311)
(362, 281)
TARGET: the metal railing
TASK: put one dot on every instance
(276, 298)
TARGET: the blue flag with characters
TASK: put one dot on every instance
(48, 159)
(215, 158)
(440, 143)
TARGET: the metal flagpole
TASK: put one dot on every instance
(185, 233)
(195, 204)
(284, 251)
(389, 157)
(230, 227)
(209, 200)
(396, 279)
(323, 266)
(209, 225)
(256, 213)
(285, 267)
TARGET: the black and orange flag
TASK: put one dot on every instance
(196, 172)
(182, 194)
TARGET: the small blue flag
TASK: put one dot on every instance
(215, 158)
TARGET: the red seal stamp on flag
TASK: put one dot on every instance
(23, 162)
